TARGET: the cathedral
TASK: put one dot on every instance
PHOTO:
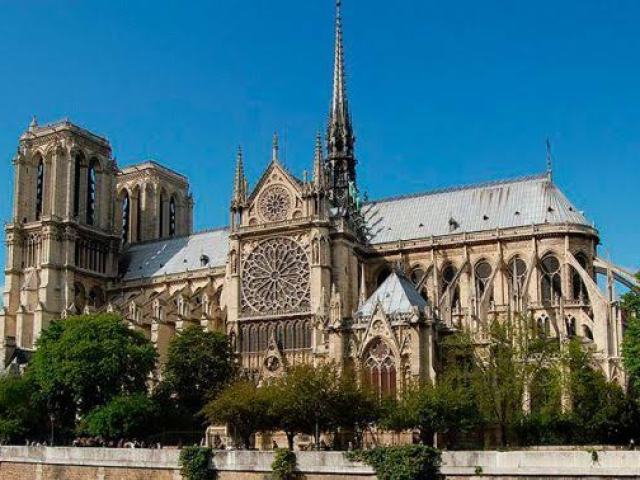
(306, 271)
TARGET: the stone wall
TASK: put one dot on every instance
(42, 463)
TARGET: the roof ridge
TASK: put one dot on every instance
(524, 178)
(178, 237)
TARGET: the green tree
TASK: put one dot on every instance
(631, 301)
(441, 408)
(243, 407)
(631, 351)
(20, 414)
(124, 417)
(83, 362)
(498, 369)
(199, 363)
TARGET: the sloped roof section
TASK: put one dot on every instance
(176, 255)
(502, 204)
(396, 295)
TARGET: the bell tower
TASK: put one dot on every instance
(61, 244)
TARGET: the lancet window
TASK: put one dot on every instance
(91, 193)
(39, 188)
(551, 283)
(380, 368)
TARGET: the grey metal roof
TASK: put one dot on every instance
(396, 295)
(175, 255)
(502, 204)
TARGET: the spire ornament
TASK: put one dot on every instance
(341, 162)
(318, 165)
(239, 182)
(275, 148)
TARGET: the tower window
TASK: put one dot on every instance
(91, 194)
(172, 216)
(126, 213)
(161, 217)
(76, 185)
(39, 189)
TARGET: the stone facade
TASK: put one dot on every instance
(306, 272)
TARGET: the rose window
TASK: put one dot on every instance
(274, 203)
(275, 277)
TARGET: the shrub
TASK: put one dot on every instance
(194, 463)
(407, 462)
(284, 464)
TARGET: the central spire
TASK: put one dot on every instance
(339, 118)
(340, 139)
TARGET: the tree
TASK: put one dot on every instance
(441, 408)
(83, 362)
(242, 406)
(124, 417)
(20, 415)
(631, 351)
(499, 369)
(199, 364)
(631, 301)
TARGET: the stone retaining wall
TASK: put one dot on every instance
(43, 463)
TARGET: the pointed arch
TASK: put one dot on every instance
(39, 186)
(379, 367)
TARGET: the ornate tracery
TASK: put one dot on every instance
(275, 278)
(274, 203)
(380, 368)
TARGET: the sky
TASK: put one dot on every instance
(441, 93)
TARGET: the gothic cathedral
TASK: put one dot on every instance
(307, 271)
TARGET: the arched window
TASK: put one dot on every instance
(570, 323)
(516, 273)
(579, 288)
(96, 297)
(139, 216)
(39, 188)
(161, 217)
(126, 216)
(172, 216)
(449, 273)
(482, 273)
(418, 277)
(380, 368)
(307, 334)
(76, 184)
(551, 284)
(288, 340)
(91, 193)
(79, 297)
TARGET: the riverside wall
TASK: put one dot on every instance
(61, 463)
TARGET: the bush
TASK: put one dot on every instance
(407, 462)
(194, 463)
(124, 417)
(284, 464)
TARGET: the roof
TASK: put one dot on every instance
(503, 204)
(396, 295)
(175, 255)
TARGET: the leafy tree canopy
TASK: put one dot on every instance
(198, 365)
(20, 415)
(83, 362)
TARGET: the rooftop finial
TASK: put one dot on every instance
(240, 182)
(34, 123)
(274, 149)
(318, 164)
(549, 160)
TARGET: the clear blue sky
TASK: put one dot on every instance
(442, 93)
